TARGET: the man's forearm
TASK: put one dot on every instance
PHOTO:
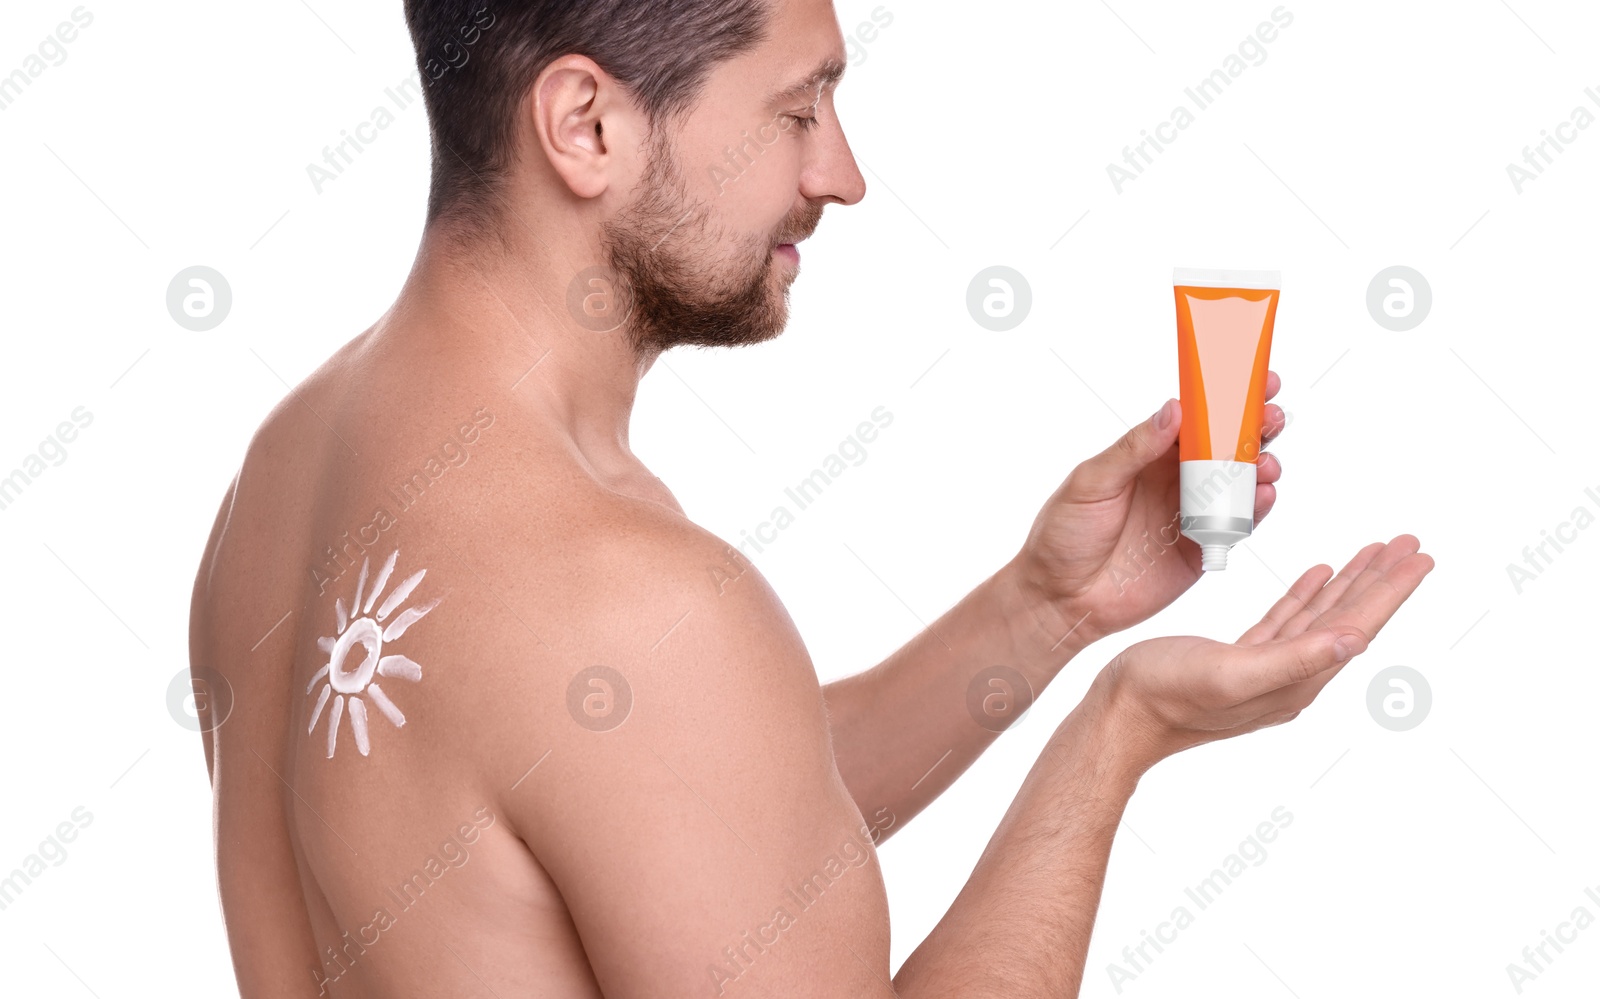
(1021, 925)
(905, 729)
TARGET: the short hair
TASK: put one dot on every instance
(478, 58)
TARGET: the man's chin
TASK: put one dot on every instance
(728, 325)
(747, 336)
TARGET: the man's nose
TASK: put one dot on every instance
(834, 174)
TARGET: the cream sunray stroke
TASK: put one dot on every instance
(1225, 321)
(360, 625)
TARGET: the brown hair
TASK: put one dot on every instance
(478, 58)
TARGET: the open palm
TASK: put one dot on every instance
(1183, 691)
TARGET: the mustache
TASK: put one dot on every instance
(804, 226)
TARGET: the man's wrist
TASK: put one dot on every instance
(1127, 722)
(1047, 631)
(1094, 757)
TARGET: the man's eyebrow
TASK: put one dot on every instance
(828, 74)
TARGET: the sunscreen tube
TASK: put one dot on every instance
(1224, 339)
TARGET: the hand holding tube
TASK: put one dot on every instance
(1105, 553)
(1170, 694)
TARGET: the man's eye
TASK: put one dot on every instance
(806, 124)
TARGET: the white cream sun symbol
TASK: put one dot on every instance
(361, 626)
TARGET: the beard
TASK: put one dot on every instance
(675, 277)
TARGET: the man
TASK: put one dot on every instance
(522, 728)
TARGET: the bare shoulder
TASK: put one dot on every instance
(656, 735)
(602, 604)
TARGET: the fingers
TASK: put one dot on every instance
(1314, 601)
(1109, 472)
(1299, 595)
(1273, 421)
(1265, 497)
(1268, 469)
(1375, 604)
(1329, 603)
(1331, 593)
(1257, 670)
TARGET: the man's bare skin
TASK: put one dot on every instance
(697, 816)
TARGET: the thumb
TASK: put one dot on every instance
(1263, 668)
(1110, 471)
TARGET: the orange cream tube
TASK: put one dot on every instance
(1224, 339)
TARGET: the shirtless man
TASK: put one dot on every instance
(521, 727)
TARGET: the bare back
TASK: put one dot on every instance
(402, 588)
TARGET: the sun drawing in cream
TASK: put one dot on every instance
(361, 625)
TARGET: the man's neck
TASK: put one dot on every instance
(503, 322)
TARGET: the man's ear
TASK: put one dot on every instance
(582, 119)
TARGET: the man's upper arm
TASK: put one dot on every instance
(690, 810)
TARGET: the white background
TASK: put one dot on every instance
(1417, 863)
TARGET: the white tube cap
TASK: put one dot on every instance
(1216, 506)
